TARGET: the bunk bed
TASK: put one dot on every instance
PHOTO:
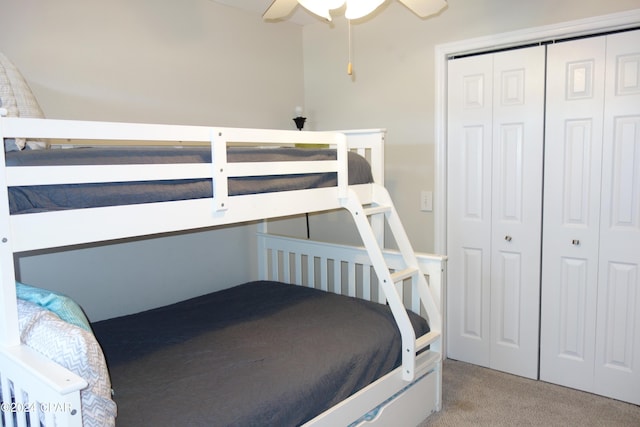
(400, 283)
(57, 370)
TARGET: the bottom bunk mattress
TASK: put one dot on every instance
(262, 353)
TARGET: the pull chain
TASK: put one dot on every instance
(349, 66)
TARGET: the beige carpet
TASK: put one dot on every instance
(476, 396)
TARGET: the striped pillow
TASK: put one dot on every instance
(16, 97)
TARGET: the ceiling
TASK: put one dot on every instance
(299, 16)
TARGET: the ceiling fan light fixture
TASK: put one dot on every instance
(321, 7)
(280, 9)
(424, 8)
(357, 9)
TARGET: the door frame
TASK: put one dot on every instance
(577, 28)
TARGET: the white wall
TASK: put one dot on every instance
(187, 62)
(393, 81)
(117, 279)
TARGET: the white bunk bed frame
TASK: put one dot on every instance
(399, 278)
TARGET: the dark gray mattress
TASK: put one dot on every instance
(58, 197)
(259, 354)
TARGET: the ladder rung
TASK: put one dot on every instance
(403, 274)
(426, 340)
(376, 210)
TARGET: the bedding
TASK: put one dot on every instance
(75, 349)
(57, 197)
(262, 353)
(18, 100)
(61, 305)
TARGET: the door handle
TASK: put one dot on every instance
(507, 238)
(575, 242)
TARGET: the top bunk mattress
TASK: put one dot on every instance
(41, 198)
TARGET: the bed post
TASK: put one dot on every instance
(8, 309)
(371, 140)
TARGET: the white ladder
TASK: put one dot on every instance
(383, 205)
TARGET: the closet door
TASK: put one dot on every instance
(590, 326)
(573, 149)
(516, 211)
(469, 157)
(496, 104)
(617, 353)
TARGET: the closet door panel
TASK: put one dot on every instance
(469, 208)
(496, 110)
(573, 327)
(518, 112)
(507, 321)
(575, 99)
(617, 367)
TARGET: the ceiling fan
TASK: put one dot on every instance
(355, 9)
(280, 9)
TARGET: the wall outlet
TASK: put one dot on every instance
(426, 201)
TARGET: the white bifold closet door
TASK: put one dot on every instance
(590, 325)
(495, 154)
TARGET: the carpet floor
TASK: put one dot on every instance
(476, 396)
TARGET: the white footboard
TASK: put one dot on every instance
(36, 391)
(347, 270)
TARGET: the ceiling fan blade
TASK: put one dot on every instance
(279, 9)
(424, 8)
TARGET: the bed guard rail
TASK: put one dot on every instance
(222, 170)
(131, 133)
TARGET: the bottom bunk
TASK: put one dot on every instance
(261, 353)
(322, 350)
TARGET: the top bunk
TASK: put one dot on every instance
(218, 176)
